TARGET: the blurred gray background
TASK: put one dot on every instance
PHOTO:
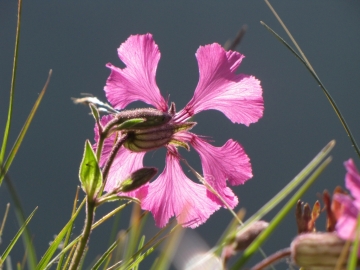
(77, 38)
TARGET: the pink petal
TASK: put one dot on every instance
(173, 194)
(239, 97)
(345, 226)
(352, 179)
(221, 164)
(136, 81)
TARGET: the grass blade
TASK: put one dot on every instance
(151, 246)
(68, 234)
(281, 195)
(31, 258)
(20, 216)
(4, 220)
(12, 87)
(23, 131)
(96, 224)
(54, 245)
(170, 247)
(105, 255)
(137, 223)
(141, 244)
(14, 240)
(254, 246)
(307, 64)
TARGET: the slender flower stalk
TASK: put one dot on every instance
(90, 212)
(112, 155)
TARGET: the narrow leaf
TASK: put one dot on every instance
(54, 245)
(255, 245)
(12, 87)
(105, 255)
(96, 224)
(68, 234)
(286, 190)
(151, 245)
(313, 73)
(141, 244)
(31, 258)
(14, 240)
(23, 131)
(142, 256)
(20, 216)
(169, 249)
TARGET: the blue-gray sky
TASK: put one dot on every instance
(77, 39)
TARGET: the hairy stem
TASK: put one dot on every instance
(90, 212)
(112, 155)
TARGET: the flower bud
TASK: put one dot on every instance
(152, 117)
(306, 217)
(153, 138)
(317, 250)
(243, 239)
(138, 179)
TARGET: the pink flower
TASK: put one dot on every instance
(346, 224)
(239, 97)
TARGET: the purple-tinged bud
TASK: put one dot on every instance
(152, 117)
(172, 109)
(153, 138)
(330, 215)
(137, 119)
(138, 179)
(317, 250)
(306, 217)
(243, 239)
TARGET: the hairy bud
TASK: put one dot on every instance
(151, 117)
(317, 250)
(138, 179)
(243, 239)
(153, 138)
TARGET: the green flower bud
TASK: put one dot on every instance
(137, 179)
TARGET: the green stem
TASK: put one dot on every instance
(12, 87)
(90, 212)
(94, 226)
(100, 147)
(307, 64)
